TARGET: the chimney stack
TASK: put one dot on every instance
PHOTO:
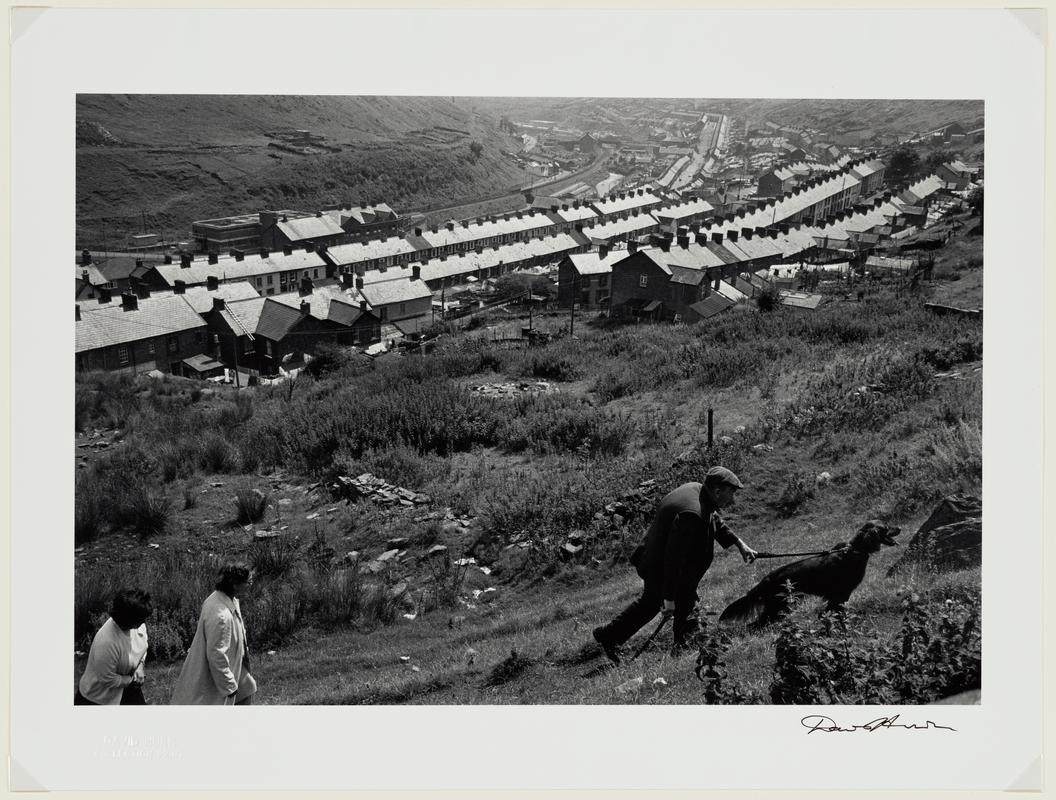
(86, 258)
(214, 258)
(129, 302)
(363, 306)
(104, 295)
(185, 260)
(603, 251)
(219, 304)
(359, 283)
(239, 255)
(665, 245)
(702, 239)
(417, 231)
(264, 252)
(168, 258)
(77, 311)
(348, 280)
(416, 273)
(716, 238)
(306, 308)
(731, 235)
(212, 283)
(287, 249)
(450, 226)
(179, 287)
(683, 240)
(632, 246)
(746, 233)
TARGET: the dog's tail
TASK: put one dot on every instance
(746, 609)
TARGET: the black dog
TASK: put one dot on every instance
(832, 576)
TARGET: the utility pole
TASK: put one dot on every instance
(572, 305)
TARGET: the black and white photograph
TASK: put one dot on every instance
(528, 400)
(484, 392)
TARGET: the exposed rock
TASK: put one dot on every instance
(436, 550)
(388, 555)
(398, 543)
(950, 539)
(265, 535)
(823, 478)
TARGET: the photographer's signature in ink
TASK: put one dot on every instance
(815, 723)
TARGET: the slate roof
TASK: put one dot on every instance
(228, 268)
(332, 303)
(110, 324)
(359, 252)
(477, 230)
(711, 305)
(276, 320)
(384, 293)
(677, 211)
(299, 229)
(594, 264)
(605, 231)
(201, 299)
(687, 276)
(615, 205)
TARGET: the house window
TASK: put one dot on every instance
(268, 348)
(384, 314)
(260, 282)
(173, 344)
(271, 280)
(150, 347)
(403, 308)
(122, 354)
(315, 273)
(643, 281)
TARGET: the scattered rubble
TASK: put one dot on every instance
(950, 539)
(372, 487)
(514, 389)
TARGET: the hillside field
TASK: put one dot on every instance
(882, 395)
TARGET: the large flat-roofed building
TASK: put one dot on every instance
(218, 235)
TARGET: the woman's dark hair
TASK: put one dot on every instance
(231, 575)
(130, 608)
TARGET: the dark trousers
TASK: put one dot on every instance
(629, 621)
(131, 696)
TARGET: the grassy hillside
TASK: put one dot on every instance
(161, 161)
(509, 479)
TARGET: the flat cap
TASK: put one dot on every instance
(723, 475)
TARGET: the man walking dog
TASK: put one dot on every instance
(675, 554)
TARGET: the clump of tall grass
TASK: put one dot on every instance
(250, 505)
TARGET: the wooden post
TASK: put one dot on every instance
(711, 426)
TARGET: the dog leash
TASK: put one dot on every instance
(640, 650)
(786, 555)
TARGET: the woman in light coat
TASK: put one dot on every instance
(216, 670)
(114, 673)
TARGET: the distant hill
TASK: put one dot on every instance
(161, 161)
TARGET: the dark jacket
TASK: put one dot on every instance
(679, 545)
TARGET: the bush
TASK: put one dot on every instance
(328, 357)
(251, 505)
(768, 300)
(216, 454)
(151, 512)
(798, 490)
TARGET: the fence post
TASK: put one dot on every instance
(711, 426)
